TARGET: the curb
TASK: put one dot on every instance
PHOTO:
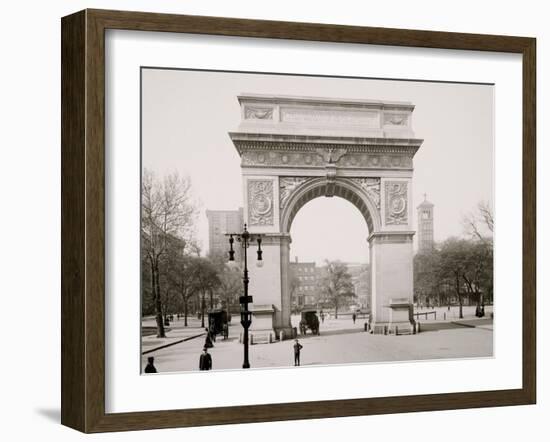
(463, 325)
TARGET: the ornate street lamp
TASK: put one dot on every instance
(245, 238)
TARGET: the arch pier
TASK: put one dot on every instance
(295, 149)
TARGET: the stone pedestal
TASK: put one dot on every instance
(401, 317)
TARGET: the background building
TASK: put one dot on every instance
(360, 277)
(303, 284)
(221, 222)
(425, 226)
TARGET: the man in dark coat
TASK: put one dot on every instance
(205, 361)
(150, 368)
(297, 348)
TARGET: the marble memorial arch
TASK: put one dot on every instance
(295, 149)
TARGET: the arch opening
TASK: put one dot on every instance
(341, 187)
(328, 233)
(342, 235)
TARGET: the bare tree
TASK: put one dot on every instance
(167, 212)
(182, 278)
(427, 276)
(468, 266)
(207, 280)
(478, 274)
(486, 214)
(480, 224)
(452, 266)
(230, 286)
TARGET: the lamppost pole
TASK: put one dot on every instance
(246, 320)
(246, 316)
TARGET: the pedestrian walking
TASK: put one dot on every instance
(205, 361)
(150, 367)
(213, 334)
(225, 331)
(297, 348)
(354, 317)
(208, 340)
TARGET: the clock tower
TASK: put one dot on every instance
(425, 226)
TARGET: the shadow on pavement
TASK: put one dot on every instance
(345, 331)
(437, 326)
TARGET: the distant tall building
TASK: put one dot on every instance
(425, 226)
(221, 222)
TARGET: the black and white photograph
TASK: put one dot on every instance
(278, 221)
(296, 220)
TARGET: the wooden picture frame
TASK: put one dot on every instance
(83, 220)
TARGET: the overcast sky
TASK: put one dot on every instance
(187, 116)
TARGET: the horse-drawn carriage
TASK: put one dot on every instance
(309, 320)
(218, 322)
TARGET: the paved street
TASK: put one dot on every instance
(340, 342)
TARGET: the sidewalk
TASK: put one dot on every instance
(175, 332)
(444, 314)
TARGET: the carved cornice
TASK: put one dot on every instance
(251, 141)
(317, 101)
(321, 157)
(273, 238)
(391, 237)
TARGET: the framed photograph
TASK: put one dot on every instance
(266, 221)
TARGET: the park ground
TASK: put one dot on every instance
(340, 342)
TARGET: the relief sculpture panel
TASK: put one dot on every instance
(287, 185)
(260, 202)
(258, 113)
(396, 203)
(372, 188)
